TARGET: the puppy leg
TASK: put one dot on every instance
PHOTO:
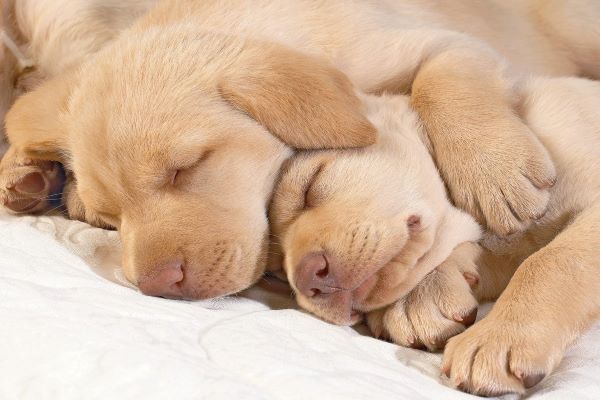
(551, 299)
(494, 166)
(445, 302)
(30, 186)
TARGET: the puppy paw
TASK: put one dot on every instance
(496, 357)
(503, 183)
(440, 307)
(32, 186)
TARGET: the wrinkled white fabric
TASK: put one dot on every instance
(70, 328)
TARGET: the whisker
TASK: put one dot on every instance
(49, 197)
(52, 209)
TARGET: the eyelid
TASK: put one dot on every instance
(174, 172)
(109, 219)
(310, 184)
(191, 164)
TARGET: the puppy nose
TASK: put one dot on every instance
(164, 282)
(314, 276)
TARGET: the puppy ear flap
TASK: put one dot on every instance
(302, 100)
(33, 124)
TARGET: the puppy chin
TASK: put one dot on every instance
(401, 274)
(335, 308)
(342, 307)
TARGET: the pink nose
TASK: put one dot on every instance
(314, 276)
(164, 282)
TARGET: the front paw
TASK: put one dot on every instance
(496, 357)
(504, 180)
(440, 307)
(32, 186)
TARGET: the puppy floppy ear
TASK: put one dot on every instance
(33, 124)
(302, 100)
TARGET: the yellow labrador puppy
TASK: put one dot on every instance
(360, 229)
(176, 130)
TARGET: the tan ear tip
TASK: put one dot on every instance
(370, 134)
(365, 135)
(362, 134)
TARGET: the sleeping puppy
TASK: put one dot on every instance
(176, 130)
(188, 184)
(360, 229)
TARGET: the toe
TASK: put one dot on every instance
(399, 327)
(489, 372)
(530, 381)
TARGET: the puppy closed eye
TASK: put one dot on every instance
(310, 192)
(177, 174)
(107, 221)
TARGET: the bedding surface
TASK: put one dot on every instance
(72, 328)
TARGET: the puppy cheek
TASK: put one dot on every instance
(129, 271)
(275, 259)
(306, 304)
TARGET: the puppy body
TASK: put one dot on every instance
(550, 300)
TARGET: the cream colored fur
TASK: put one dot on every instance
(355, 206)
(552, 297)
(44, 39)
(207, 94)
(52, 37)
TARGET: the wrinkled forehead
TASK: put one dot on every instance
(347, 182)
(106, 131)
(115, 131)
(336, 167)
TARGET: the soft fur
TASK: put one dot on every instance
(42, 40)
(378, 215)
(53, 37)
(175, 131)
(359, 204)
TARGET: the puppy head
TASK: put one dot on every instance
(352, 225)
(176, 137)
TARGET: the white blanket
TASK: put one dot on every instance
(70, 328)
